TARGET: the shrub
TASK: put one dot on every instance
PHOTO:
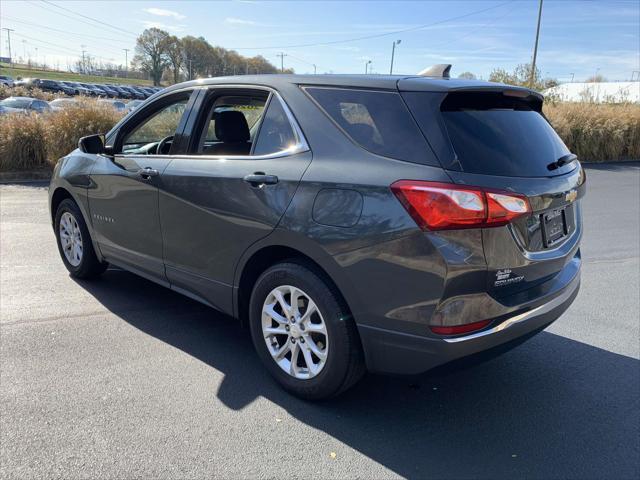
(65, 127)
(22, 142)
(20, 91)
(598, 132)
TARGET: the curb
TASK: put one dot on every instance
(25, 176)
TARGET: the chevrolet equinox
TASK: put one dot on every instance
(382, 223)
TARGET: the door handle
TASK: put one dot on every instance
(259, 179)
(148, 172)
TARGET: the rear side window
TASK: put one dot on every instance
(494, 134)
(276, 134)
(378, 121)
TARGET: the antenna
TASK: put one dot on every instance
(440, 70)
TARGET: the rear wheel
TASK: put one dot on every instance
(303, 333)
(74, 242)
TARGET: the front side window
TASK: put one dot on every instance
(378, 121)
(156, 129)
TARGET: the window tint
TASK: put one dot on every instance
(231, 125)
(162, 124)
(378, 121)
(276, 133)
(493, 134)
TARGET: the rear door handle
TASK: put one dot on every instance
(148, 172)
(259, 179)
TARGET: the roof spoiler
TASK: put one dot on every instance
(440, 70)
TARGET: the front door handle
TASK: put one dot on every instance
(259, 179)
(148, 172)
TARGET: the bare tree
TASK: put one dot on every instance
(152, 53)
(175, 55)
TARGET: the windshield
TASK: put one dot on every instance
(16, 102)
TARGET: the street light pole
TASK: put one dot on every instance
(393, 51)
(535, 48)
(366, 66)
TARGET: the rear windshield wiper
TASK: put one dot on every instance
(564, 160)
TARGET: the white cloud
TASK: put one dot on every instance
(239, 21)
(161, 12)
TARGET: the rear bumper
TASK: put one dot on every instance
(393, 352)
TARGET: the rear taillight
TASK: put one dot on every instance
(444, 206)
(459, 329)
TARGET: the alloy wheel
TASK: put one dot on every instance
(71, 239)
(295, 332)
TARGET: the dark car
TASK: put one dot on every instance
(109, 92)
(77, 88)
(93, 90)
(26, 105)
(46, 85)
(134, 93)
(382, 223)
(122, 93)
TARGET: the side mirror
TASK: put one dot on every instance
(92, 144)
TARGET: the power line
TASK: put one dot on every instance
(11, 19)
(378, 35)
(97, 22)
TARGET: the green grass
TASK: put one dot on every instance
(25, 72)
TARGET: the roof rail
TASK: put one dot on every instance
(440, 70)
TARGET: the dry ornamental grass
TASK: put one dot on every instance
(595, 132)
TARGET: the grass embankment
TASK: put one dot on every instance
(25, 72)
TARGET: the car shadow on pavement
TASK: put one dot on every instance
(551, 408)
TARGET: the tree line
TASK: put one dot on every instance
(166, 57)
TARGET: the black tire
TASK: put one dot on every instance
(89, 266)
(345, 360)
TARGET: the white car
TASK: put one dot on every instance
(5, 80)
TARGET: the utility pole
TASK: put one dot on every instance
(9, 30)
(393, 51)
(366, 66)
(84, 68)
(535, 48)
(315, 70)
(126, 62)
(572, 77)
(281, 55)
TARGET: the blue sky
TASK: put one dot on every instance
(576, 37)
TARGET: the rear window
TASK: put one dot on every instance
(378, 121)
(494, 134)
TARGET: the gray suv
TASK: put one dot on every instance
(383, 223)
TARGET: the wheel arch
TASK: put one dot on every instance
(59, 194)
(259, 258)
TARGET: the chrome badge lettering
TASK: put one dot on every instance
(103, 218)
(503, 277)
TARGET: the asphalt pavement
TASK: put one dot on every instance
(121, 378)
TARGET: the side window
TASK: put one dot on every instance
(276, 133)
(146, 137)
(231, 125)
(378, 121)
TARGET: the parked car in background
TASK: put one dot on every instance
(133, 104)
(78, 89)
(62, 103)
(8, 110)
(55, 86)
(6, 80)
(388, 223)
(26, 104)
(94, 91)
(117, 104)
(112, 93)
(122, 93)
(134, 93)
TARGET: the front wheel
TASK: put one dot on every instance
(74, 242)
(303, 333)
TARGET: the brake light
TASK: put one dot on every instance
(444, 206)
(458, 329)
